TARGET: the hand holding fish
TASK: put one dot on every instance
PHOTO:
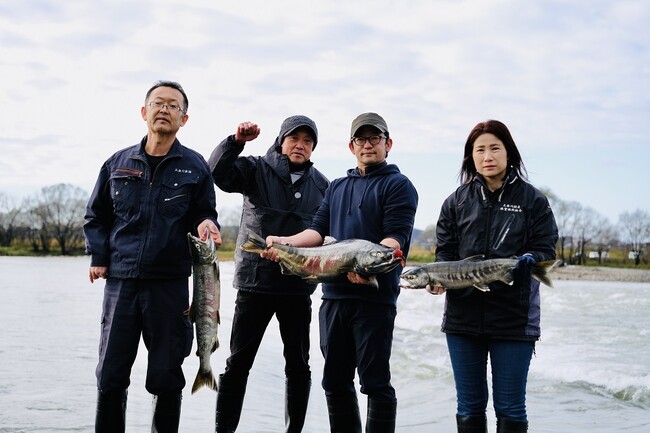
(271, 253)
(435, 289)
(208, 227)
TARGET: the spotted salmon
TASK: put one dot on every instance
(472, 271)
(204, 311)
(331, 260)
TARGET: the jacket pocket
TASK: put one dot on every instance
(125, 190)
(175, 195)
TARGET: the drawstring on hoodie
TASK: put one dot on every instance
(348, 191)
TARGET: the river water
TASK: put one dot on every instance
(591, 372)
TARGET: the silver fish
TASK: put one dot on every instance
(204, 311)
(472, 271)
(331, 260)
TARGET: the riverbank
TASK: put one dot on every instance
(600, 273)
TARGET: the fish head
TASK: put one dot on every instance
(379, 259)
(414, 278)
(203, 252)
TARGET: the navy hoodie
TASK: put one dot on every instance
(380, 204)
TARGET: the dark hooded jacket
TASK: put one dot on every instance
(373, 207)
(514, 220)
(273, 205)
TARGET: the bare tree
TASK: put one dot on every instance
(9, 218)
(566, 216)
(60, 209)
(604, 237)
(428, 237)
(229, 220)
(636, 227)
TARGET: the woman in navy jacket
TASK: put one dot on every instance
(498, 214)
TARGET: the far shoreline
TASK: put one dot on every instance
(600, 273)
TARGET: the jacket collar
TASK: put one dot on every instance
(279, 163)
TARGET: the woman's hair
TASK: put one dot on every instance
(498, 129)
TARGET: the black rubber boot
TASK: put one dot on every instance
(166, 413)
(230, 400)
(111, 411)
(381, 416)
(296, 398)
(471, 424)
(507, 425)
(344, 414)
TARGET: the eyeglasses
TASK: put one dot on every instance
(373, 139)
(170, 107)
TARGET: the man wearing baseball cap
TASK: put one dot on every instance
(281, 190)
(377, 203)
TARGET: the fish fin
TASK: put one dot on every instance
(540, 270)
(508, 278)
(218, 317)
(204, 378)
(254, 243)
(475, 258)
(284, 269)
(329, 240)
(313, 279)
(372, 281)
(482, 288)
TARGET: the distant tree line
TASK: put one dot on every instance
(53, 219)
(583, 232)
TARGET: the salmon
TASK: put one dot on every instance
(332, 259)
(472, 271)
(204, 311)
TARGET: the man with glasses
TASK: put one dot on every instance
(282, 190)
(146, 199)
(377, 203)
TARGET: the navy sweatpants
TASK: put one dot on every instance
(155, 310)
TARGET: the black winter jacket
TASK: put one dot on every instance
(137, 221)
(512, 221)
(272, 206)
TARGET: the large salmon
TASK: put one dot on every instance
(331, 260)
(204, 311)
(472, 271)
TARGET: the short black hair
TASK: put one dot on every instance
(173, 85)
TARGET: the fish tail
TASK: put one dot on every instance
(540, 270)
(254, 243)
(204, 378)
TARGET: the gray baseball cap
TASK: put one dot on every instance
(372, 119)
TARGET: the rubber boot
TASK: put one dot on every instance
(230, 400)
(111, 411)
(296, 398)
(166, 413)
(471, 423)
(507, 425)
(344, 413)
(381, 416)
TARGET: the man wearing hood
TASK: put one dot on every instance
(282, 191)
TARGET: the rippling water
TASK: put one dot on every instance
(591, 372)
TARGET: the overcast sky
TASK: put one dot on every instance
(570, 78)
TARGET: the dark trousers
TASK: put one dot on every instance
(253, 312)
(155, 310)
(357, 334)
